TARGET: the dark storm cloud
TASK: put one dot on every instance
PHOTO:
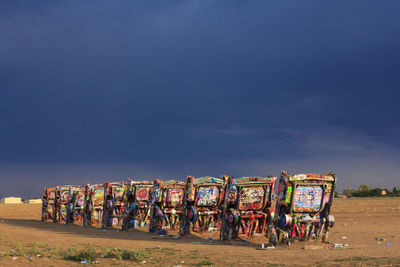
(177, 87)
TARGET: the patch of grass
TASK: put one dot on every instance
(126, 254)
(135, 255)
(34, 249)
(87, 253)
(205, 263)
(111, 253)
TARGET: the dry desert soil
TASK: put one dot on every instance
(360, 223)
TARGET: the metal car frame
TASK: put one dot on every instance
(247, 207)
(138, 202)
(303, 206)
(63, 204)
(94, 204)
(202, 204)
(48, 204)
(167, 207)
(115, 194)
(78, 205)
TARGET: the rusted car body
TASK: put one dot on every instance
(303, 206)
(64, 203)
(78, 206)
(167, 207)
(247, 207)
(202, 204)
(115, 196)
(94, 204)
(137, 204)
(48, 204)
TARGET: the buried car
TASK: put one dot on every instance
(94, 205)
(303, 206)
(48, 204)
(137, 204)
(167, 207)
(202, 204)
(247, 207)
(115, 193)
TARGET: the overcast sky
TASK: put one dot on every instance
(95, 91)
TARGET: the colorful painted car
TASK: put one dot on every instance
(94, 204)
(78, 200)
(64, 203)
(247, 207)
(202, 204)
(137, 204)
(303, 206)
(48, 204)
(114, 204)
(167, 207)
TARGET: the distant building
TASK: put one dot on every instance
(34, 201)
(11, 200)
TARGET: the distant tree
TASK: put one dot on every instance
(395, 191)
(363, 188)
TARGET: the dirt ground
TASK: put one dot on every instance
(360, 223)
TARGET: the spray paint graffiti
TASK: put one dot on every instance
(174, 197)
(251, 198)
(142, 194)
(208, 196)
(307, 198)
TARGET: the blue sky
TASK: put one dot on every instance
(95, 91)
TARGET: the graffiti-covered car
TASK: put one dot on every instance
(202, 204)
(64, 203)
(94, 204)
(247, 207)
(115, 195)
(303, 206)
(167, 207)
(137, 204)
(48, 204)
(78, 205)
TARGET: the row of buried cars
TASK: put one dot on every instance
(236, 207)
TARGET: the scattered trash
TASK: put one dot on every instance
(15, 258)
(345, 224)
(388, 244)
(176, 237)
(338, 245)
(182, 261)
(262, 247)
(38, 255)
(271, 247)
(162, 231)
(129, 233)
(30, 258)
(382, 239)
(12, 251)
(344, 237)
(244, 240)
(143, 262)
(158, 247)
(95, 262)
(84, 261)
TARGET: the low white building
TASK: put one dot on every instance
(11, 200)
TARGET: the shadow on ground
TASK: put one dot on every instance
(132, 234)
